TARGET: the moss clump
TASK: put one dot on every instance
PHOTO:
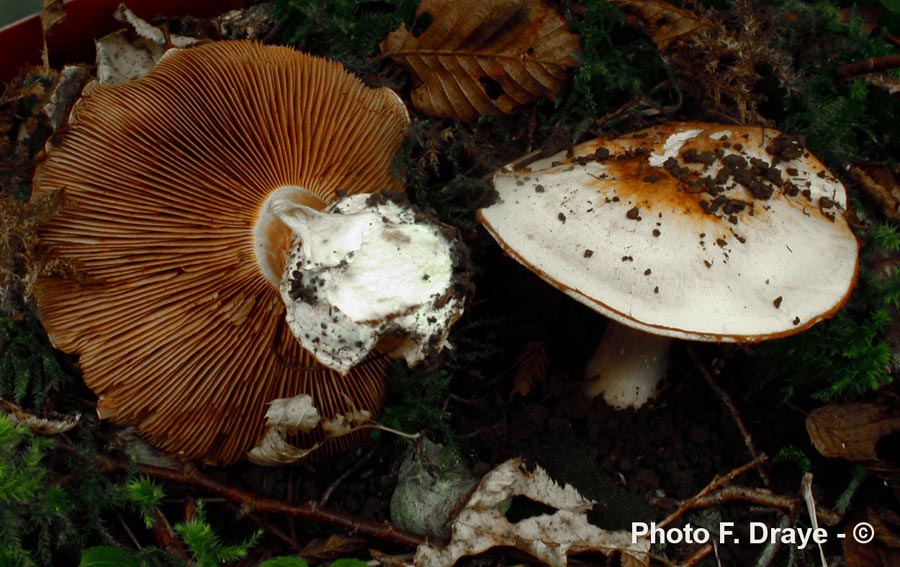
(346, 30)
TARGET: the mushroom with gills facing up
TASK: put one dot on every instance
(690, 231)
(179, 193)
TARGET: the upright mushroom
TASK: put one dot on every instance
(685, 230)
(168, 183)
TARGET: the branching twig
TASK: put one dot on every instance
(715, 484)
(735, 415)
(310, 511)
(762, 497)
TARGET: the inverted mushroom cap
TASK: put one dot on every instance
(695, 231)
(178, 325)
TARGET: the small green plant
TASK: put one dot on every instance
(206, 546)
(795, 456)
(199, 537)
(146, 496)
(21, 477)
(29, 369)
(42, 521)
(857, 476)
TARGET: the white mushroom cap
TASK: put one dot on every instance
(695, 231)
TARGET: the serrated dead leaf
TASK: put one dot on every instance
(663, 22)
(483, 57)
(550, 538)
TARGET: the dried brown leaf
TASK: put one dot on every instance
(881, 185)
(852, 432)
(332, 548)
(663, 22)
(52, 14)
(39, 425)
(883, 551)
(531, 368)
(285, 416)
(481, 57)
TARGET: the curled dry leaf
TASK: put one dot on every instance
(37, 424)
(297, 414)
(531, 368)
(663, 22)
(852, 432)
(550, 538)
(285, 416)
(479, 57)
(52, 13)
(289, 416)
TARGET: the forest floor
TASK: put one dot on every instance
(511, 386)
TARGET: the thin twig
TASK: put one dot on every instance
(292, 525)
(809, 500)
(290, 540)
(763, 497)
(326, 496)
(190, 476)
(698, 556)
(868, 66)
(715, 484)
(166, 536)
(735, 414)
(128, 531)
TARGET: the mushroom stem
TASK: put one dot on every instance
(272, 238)
(627, 366)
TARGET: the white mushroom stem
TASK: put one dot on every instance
(366, 273)
(627, 366)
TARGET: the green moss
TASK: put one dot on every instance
(348, 31)
(417, 403)
(29, 368)
(842, 121)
